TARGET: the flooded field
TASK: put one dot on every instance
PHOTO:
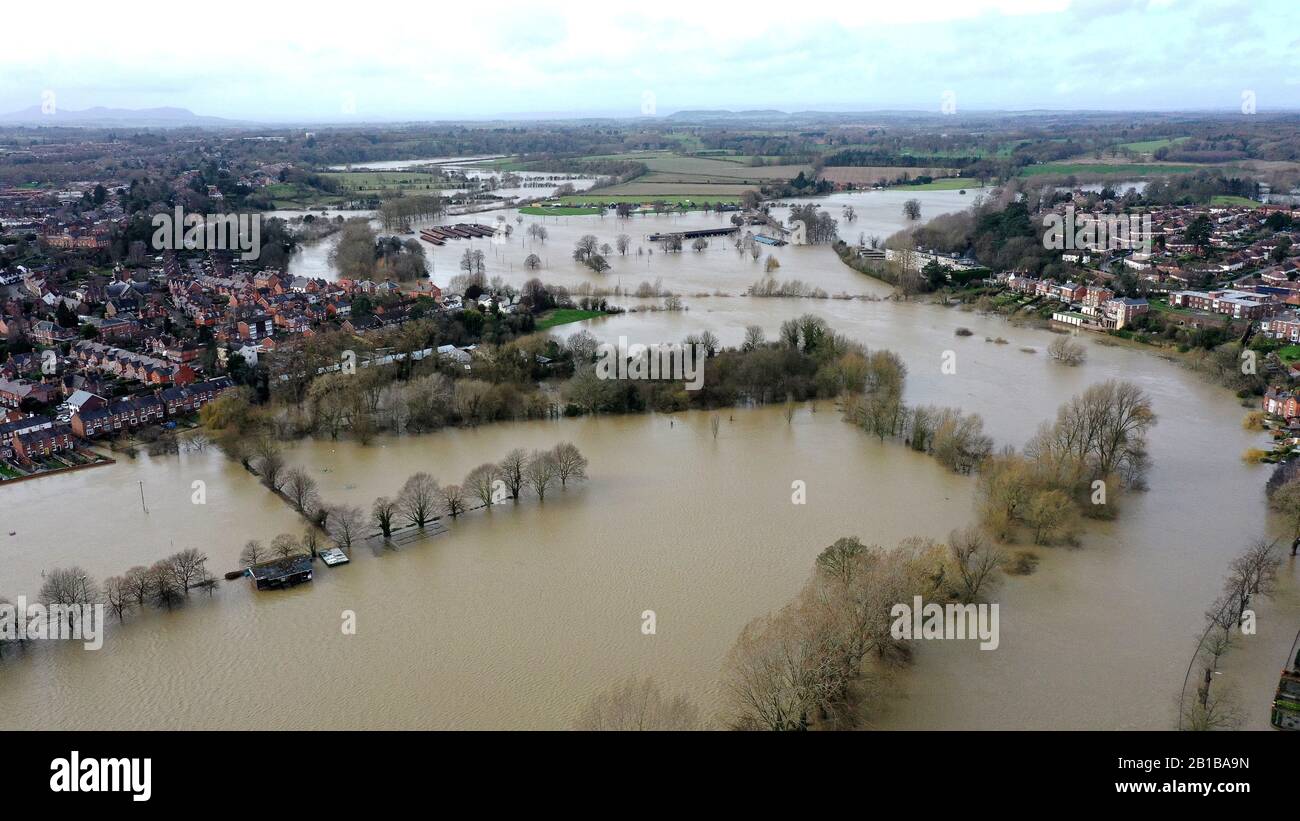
(515, 617)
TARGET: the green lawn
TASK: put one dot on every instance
(1165, 308)
(1224, 199)
(1289, 354)
(563, 316)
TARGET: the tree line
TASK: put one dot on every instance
(421, 500)
(166, 583)
(820, 661)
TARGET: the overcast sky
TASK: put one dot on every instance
(326, 61)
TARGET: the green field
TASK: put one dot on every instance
(562, 211)
(372, 182)
(1148, 146)
(631, 155)
(709, 169)
(637, 199)
(1097, 169)
(293, 195)
(1224, 199)
(563, 316)
(946, 184)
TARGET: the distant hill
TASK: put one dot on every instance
(101, 116)
(723, 114)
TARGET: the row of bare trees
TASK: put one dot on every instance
(1253, 573)
(283, 546)
(165, 583)
(952, 436)
(820, 660)
(422, 499)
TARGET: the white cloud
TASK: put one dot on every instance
(275, 61)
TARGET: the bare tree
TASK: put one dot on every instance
(418, 499)
(163, 587)
(638, 704)
(976, 561)
(311, 541)
(1285, 501)
(511, 471)
(1049, 514)
(69, 586)
(301, 490)
(1216, 710)
(452, 498)
(285, 545)
(119, 595)
(187, 567)
(481, 481)
(345, 525)
(585, 247)
(540, 472)
(382, 513)
(1099, 433)
(137, 584)
(569, 463)
(268, 461)
(1066, 351)
(253, 553)
(778, 674)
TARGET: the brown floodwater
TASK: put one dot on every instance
(515, 617)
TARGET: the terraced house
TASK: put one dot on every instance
(119, 416)
(131, 365)
(44, 442)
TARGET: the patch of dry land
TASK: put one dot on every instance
(653, 190)
(880, 174)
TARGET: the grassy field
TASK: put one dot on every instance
(1148, 146)
(637, 199)
(708, 169)
(563, 316)
(631, 155)
(1224, 199)
(871, 175)
(643, 190)
(535, 211)
(946, 184)
(1129, 169)
(292, 195)
(371, 182)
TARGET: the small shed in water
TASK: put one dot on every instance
(281, 572)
